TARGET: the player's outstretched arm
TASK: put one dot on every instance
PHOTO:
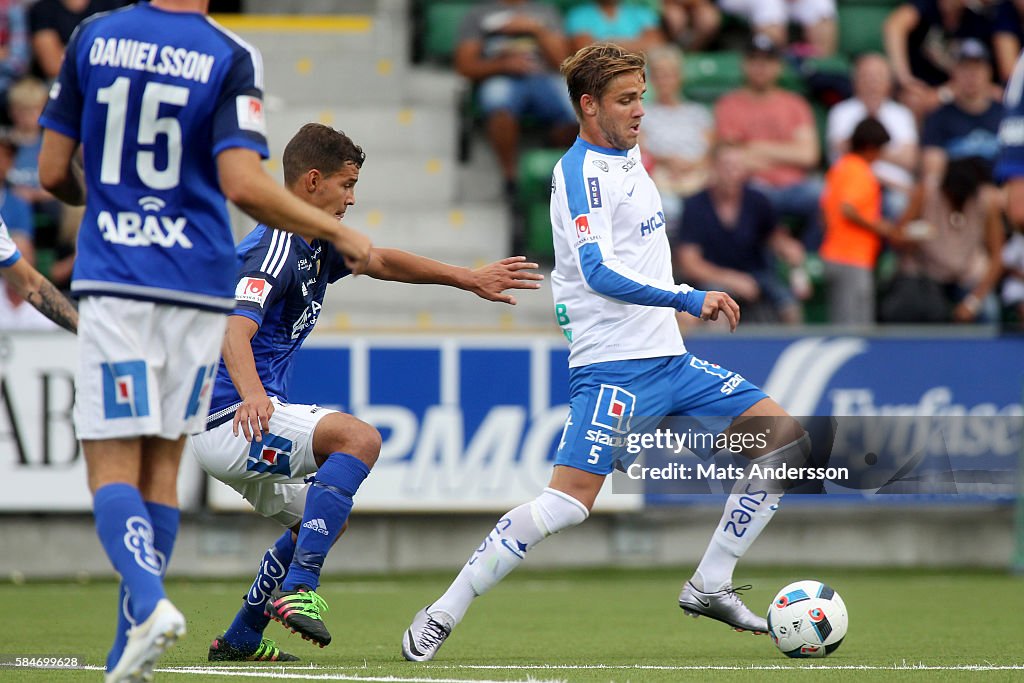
(59, 171)
(41, 293)
(247, 185)
(487, 282)
(716, 303)
(253, 416)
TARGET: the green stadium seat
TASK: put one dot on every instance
(442, 21)
(860, 28)
(535, 167)
(709, 75)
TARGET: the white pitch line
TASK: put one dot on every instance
(304, 674)
(752, 667)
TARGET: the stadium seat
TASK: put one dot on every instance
(441, 28)
(709, 75)
(535, 167)
(860, 27)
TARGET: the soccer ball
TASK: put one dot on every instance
(807, 619)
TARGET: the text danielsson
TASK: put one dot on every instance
(680, 472)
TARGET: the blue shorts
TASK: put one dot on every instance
(609, 400)
(542, 96)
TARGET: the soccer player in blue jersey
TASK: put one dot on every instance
(167, 108)
(615, 301)
(1010, 164)
(263, 446)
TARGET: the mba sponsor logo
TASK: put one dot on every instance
(594, 192)
(129, 229)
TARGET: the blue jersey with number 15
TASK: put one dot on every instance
(154, 96)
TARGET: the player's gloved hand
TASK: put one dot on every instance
(253, 417)
(720, 302)
(515, 272)
(356, 248)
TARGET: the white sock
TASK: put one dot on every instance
(506, 546)
(743, 520)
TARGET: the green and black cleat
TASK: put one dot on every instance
(299, 612)
(266, 651)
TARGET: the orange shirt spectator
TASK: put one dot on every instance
(851, 181)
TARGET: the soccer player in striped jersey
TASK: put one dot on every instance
(265, 447)
(167, 108)
(615, 301)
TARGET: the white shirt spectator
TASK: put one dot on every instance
(898, 121)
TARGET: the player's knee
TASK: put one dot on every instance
(363, 441)
(794, 454)
(554, 511)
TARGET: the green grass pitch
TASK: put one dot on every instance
(609, 625)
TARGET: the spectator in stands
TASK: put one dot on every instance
(26, 101)
(676, 135)
(854, 227)
(777, 133)
(512, 49)
(16, 212)
(969, 125)
(14, 48)
(773, 17)
(951, 259)
(872, 91)
(727, 239)
(634, 27)
(690, 24)
(51, 23)
(919, 39)
(1008, 37)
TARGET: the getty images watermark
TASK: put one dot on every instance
(691, 441)
(864, 455)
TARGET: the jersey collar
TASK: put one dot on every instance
(610, 151)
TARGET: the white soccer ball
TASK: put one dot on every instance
(807, 619)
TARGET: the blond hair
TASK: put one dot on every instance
(594, 67)
(28, 92)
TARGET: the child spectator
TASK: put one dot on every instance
(854, 227)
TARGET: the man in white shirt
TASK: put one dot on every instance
(872, 96)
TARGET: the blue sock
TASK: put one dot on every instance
(328, 503)
(246, 631)
(126, 533)
(165, 520)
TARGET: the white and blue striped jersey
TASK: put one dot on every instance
(1010, 163)
(612, 284)
(154, 96)
(281, 281)
(9, 253)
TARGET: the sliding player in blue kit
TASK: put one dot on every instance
(280, 292)
(167, 107)
(615, 301)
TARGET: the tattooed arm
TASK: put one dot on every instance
(41, 293)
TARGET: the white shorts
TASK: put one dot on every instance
(269, 473)
(144, 369)
(780, 12)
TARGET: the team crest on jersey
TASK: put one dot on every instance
(601, 164)
(594, 192)
(253, 289)
(614, 409)
(250, 114)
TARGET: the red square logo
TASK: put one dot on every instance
(582, 226)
